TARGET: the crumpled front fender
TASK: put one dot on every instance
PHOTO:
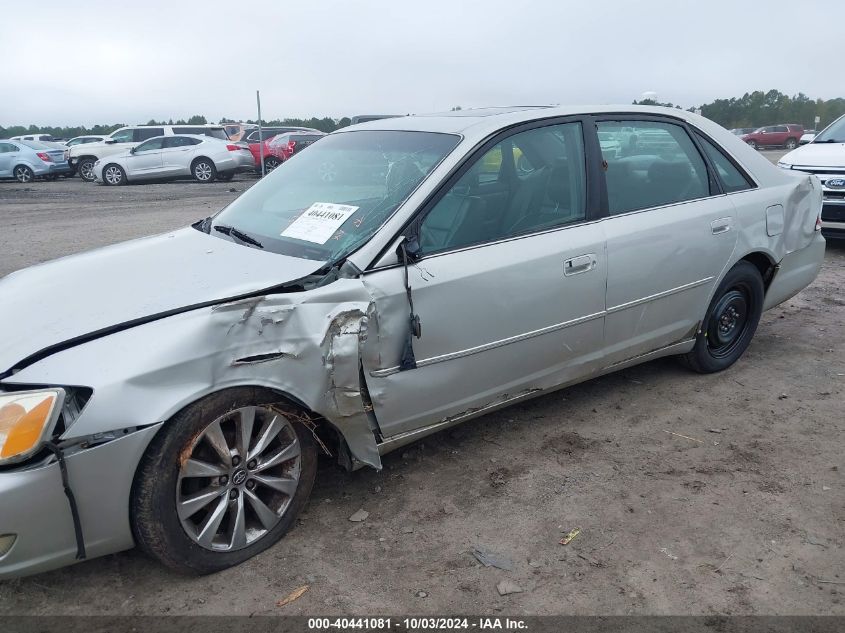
(306, 345)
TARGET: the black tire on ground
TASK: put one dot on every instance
(225, 176)
(23, 174)
(155, 522)
(85, 169)
(113, 175)
(270, 163)
(752, 144)
(730, 322)
(203, 170)
(791, 143)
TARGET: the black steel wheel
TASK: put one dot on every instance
(730, 322)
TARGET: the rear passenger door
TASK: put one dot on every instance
(670, 233)
(510, 286)
(177, 154)
(8, 151)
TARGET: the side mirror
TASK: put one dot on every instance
(131, 150)
(410, 248)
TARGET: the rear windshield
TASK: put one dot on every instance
(332, 198)
(35, 145)
(214, 132)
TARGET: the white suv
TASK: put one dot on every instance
(824, 156)
(82, 157)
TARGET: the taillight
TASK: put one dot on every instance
(291, 145)
(819, 222)
(45, 157)
(235, 148)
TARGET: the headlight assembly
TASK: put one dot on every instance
(784, 165)
(27, 420)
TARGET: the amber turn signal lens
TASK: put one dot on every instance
(25, 419)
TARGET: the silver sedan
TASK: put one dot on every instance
(26, 160)
(180, 387)
(202, 157)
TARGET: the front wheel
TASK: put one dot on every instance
(752, 144)
(224, 480)
(204, 170)
(270, 163)
(23, 174)
(114, 175)
(730, 322)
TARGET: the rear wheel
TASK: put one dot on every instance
(114, 175)
(223, 481)
(23, 173)
(85, 168)
(752, 143)
(791, 143)
(730, 322)
(203, 170)
(270, 163)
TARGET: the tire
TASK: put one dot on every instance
(23, 174)
(113, 175)
(195, 537)
(730, 322)
(791, 143)
(270, 163)
(753, 144)
(203, 170)
(85, 169)
(225, 176)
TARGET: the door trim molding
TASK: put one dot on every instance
(389, 371)
(381, 373)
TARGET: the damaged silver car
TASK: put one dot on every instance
(396, 278)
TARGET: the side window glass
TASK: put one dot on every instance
(143, 133)
(152, 144)
(123, 136)
(531, 181)
(7, 148)
(650, 164)
(731, 177)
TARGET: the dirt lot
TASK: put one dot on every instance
(694, 494)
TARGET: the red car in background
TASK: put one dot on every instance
(283, 146)
(267, 134)
(786, 135)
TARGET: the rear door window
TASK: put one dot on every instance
(180, 141)
(143, 133)
(731, 177)
(650, 164)
(152, 144)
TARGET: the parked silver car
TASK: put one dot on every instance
(27, 160)
(180, 386)
(202, 157)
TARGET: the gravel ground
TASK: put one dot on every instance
(694, 494)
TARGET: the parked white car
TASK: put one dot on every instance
(85, 139)
(82, 157)
(824, 156)
(201, 157)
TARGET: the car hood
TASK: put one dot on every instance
(817, 155)
(53, 304)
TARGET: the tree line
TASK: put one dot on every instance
(753, 109)
(758, 108)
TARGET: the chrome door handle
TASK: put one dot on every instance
(722, 225)
(579, 264)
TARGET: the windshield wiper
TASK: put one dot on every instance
(233, 232)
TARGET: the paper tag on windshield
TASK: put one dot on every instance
(319, 222)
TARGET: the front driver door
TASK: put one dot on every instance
(146, 158)
(509, 289)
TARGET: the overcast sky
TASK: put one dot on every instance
(104, 62)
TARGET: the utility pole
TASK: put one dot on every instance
(260, 135)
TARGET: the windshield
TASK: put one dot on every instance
(833, 133)
(325, 202)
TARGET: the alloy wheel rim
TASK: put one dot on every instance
(22, 174)
(86, 170)
(238, 478)
(272, 163)
(203, 171)
(728, 323)
(113, 176)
